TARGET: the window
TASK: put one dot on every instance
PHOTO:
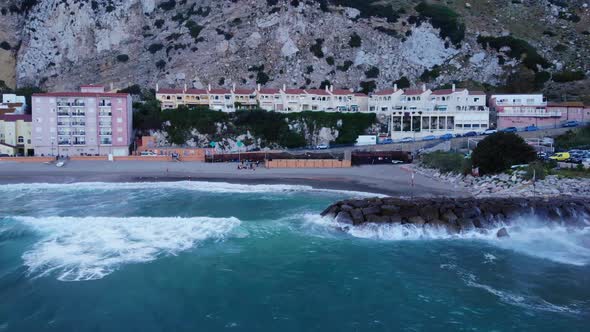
(21, 139)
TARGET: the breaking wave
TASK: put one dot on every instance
(77, 249)
(556, 243)
(201, 186)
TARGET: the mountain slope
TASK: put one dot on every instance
(350, 43)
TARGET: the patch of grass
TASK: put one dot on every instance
(445, 162)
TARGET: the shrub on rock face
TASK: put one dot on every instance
(497, 152)
(5, 46)
(355, 40)
(122, 57)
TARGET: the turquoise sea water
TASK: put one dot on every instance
(196, 256)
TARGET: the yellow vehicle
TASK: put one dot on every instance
(560, 156)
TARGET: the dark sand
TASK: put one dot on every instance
(391, 180)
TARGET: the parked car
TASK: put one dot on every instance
(490, 131)
(510, 130)
(531, 128)
(254, 150)
(322, 147)
(386, 141)
(4, 155)
(407, 140)
(560, 156)
(542, 155)
(458, 135)
(470, 134)
(429, 138)
(572, 123)
(148, 154)
(446, 136)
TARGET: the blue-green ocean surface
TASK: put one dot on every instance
(198, 256)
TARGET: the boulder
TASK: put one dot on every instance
(346, 207)
(357, 216)
(378, 219)
(502, 232)
(330, 211)
(371, 210)
(408, 211)
(466, 225)
(344, 217)
(395, 219)
(449, 217)
(416, 220)
(389, 210)
(359, 203)
(429, 212)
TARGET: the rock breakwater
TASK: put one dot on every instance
(458, 215)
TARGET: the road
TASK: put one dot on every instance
(456, 143)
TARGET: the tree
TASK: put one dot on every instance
(497, 152)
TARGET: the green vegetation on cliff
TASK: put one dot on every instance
(285, 130)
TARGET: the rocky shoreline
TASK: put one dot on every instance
(502, 185)
(459, 215)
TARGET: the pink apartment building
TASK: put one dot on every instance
(522, 110)
(89, 122)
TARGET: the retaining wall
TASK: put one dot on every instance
(308, 163)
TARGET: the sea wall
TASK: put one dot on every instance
(460, 214)
(308, 163)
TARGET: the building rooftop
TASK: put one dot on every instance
(16, 117)
(342, 92)
(220, 91)
(413, 92)
(80, 94)
(270, 91)
(245, 91)
(196, 91)
(442, 92)
(566, 104)
(317, 92)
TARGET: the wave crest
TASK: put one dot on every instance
(554, 242)
(91, 248)
(201, 186)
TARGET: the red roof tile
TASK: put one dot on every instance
(170, 91)
(220, 91)
(413, 92)
(342, 92)
(196, 91)
(384, 92)
(80, 94)
(446, 91)
(270, 91)
(15, 117)
(317, 92)
(358, 94)
(294, 91)
(245, 91)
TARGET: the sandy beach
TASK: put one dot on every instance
(380, 179)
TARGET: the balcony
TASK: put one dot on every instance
(80, 142)
(78, 124)
(106, 133)
(65, 142)
(62, 113)
(102, 113)
(79, 133)
(104, 124)
(106, 141)
(78, 113)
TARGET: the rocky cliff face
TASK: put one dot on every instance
(59, 44)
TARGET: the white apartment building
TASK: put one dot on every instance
(13, 104)
(421, 112)
(91, 121)
(270, 99)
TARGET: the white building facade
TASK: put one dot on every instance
(270, 99)
(419, 113)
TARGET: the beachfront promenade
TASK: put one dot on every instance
(381, 179)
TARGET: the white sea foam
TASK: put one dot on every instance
(524, 301)
(89, 248)
(552, 242)
(201, 186)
